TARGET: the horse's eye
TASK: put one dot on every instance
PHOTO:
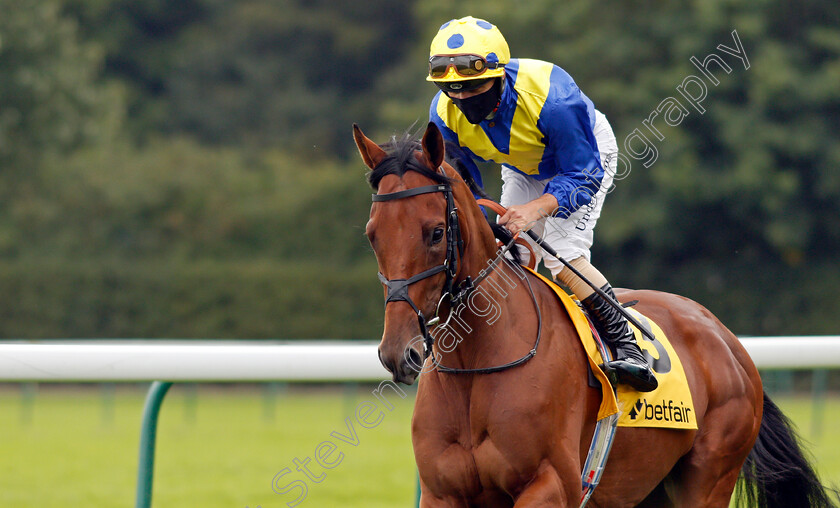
(437, 235)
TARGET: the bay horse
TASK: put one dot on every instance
(504, 415)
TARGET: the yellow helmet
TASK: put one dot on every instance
(467, 48)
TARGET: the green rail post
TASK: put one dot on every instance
(148, 433)
(108, 396)
(27, 402)
(270, 401)
(190, 402)
(819, 383)
(417, 496)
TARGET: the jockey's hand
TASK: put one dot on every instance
(522, 217)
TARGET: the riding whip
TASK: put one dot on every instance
(496, 207)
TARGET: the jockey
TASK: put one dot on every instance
(557, 154)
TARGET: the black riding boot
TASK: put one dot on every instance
(630, 365)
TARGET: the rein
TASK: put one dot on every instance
(532, 353)
(397, 289)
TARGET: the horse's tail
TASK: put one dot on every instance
(777, 473)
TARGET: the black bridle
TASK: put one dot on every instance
(397, 289)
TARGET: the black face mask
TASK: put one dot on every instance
(478, 107)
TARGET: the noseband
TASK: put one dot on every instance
(398, 288)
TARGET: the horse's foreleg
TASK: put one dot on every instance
(429, 500)
(547, 490)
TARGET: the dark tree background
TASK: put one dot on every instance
(185, 168)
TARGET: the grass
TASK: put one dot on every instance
(216, 448)
(222, 446)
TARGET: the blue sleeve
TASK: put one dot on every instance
(452, 138)
(566, 120)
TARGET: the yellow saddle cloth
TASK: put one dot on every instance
(669, 406)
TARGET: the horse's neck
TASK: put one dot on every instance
(496, 324)
(489, 326)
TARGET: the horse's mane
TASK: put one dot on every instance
(401, 158)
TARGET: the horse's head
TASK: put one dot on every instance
(422, 222)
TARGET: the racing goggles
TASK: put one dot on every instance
(466, 66)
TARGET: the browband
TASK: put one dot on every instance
(410, 192)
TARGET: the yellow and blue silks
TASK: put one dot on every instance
(543, 128)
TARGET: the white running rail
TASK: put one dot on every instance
(292, 361)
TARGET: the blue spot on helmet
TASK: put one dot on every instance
(455, 42)
(492, 57)
(444, 25)
(483, 24)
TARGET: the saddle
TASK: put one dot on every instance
(669, 406)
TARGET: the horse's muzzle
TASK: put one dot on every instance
(404, 366)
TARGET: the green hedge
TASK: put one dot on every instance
(271, 299)
(253, 300)
(751, 296)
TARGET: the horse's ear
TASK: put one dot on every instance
(371, 153)
(433, 147)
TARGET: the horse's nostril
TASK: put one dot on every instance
(383, 362)
(413, 359)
